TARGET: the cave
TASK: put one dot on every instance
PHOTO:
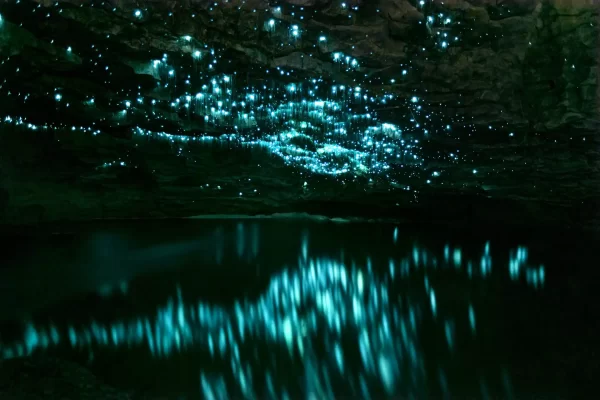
(299, 198)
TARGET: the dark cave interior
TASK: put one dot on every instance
(343, 172)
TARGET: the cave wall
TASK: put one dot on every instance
(524, 67)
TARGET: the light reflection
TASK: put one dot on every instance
(352, 309)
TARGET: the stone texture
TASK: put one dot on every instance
(532, 71)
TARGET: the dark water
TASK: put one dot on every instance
(297, 308)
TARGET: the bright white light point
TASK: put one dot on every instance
(226, 79)
(127, 104)
(58, 97)
(404, 72)
(305, 183)
(393, 81)
(322, 39)
(295, 27)
(435, 173)
(171, 73)
(414, 99)
(343, 5)
(187, 38)
(444, 44)
(422, 3)
(197, 54)
(137, 13)
(272, 22)
(69, 49)
(474, 171)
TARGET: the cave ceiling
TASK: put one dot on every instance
(401, 108)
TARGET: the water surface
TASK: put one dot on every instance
(301, 308)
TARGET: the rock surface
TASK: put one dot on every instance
(519, 86)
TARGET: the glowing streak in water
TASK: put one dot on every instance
(317, 303)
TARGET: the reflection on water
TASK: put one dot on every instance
(325, 326)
